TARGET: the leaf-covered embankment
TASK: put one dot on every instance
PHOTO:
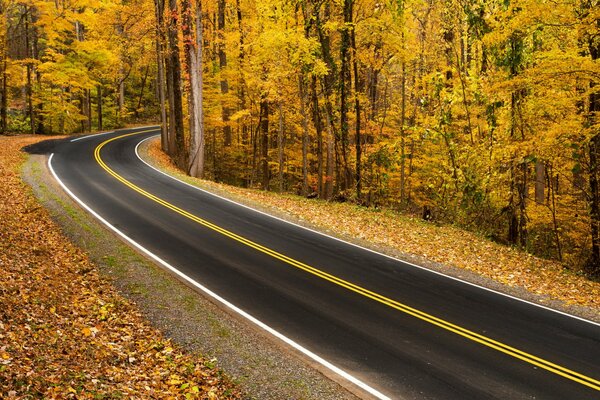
(395, 233)
(64, 331)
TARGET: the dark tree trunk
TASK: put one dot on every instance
(226, 111)
(345, 82)
(328, 84)
(316, 114)
(305, 138)
(593, 264)
(28, 87)
(264, 142)
(142, 89)
(177, 144)
(241, 56)
(159, 8)
(540, 181)
(4, 100)
(358, 138)
(99, 105)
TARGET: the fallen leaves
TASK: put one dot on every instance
(64, 331)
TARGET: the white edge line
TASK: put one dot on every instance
(106, 133)
(361, 247)
(220, 299)
(89, 136)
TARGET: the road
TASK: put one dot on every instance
(394, 329)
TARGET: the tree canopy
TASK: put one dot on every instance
(480, 113)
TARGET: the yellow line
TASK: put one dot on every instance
(484, 340)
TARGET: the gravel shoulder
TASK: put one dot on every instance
(262, 367)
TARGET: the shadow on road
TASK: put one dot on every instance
(44, 147)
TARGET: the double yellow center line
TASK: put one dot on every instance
(448, 326)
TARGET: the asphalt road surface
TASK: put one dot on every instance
(396, 330)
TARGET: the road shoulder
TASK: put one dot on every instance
(262, 367)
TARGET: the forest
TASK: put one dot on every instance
(484, 114)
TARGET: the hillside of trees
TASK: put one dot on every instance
(480, 113)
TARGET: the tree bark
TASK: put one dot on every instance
(226, 111)
(316, 114)
(328, 83)
(176, 145)
(193, 50)
(303, 91)
(264, 142)
(159, 8)
(540, 181)
(29, 87)
(344, 86)
(358, 138)
(403, 133)
(99, 105)
(4, 100)
(281, 147)
(593, 265)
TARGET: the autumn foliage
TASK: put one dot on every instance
(64, 331)
(478, 113)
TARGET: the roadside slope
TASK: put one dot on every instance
(442, 248)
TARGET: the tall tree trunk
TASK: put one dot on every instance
(38, 78)
(88, 110)
(3, 77)
(142, 89)
(264, 142)
(121, 96)
(328, 83)
(176, 145)
(193, 51)
(226, 111)
(540, 181)
(402, 132)
(358, 138)
(305, 138)
(99, 105)
(345, 82)
(593, 43)
(316, 114)
(159, 9)
(329, 161)
(4, 100)
(241, 56)
(518, 184)
(29, 87)
(281, 147)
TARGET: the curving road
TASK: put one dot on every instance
(393, 329)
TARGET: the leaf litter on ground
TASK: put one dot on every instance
(65, 332)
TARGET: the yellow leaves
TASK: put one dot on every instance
(175, 380)
(4, 358)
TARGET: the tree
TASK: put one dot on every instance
(193, 51)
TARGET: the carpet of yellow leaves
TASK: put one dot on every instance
(64, 331)
(443, 244)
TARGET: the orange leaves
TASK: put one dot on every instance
(64, 331)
